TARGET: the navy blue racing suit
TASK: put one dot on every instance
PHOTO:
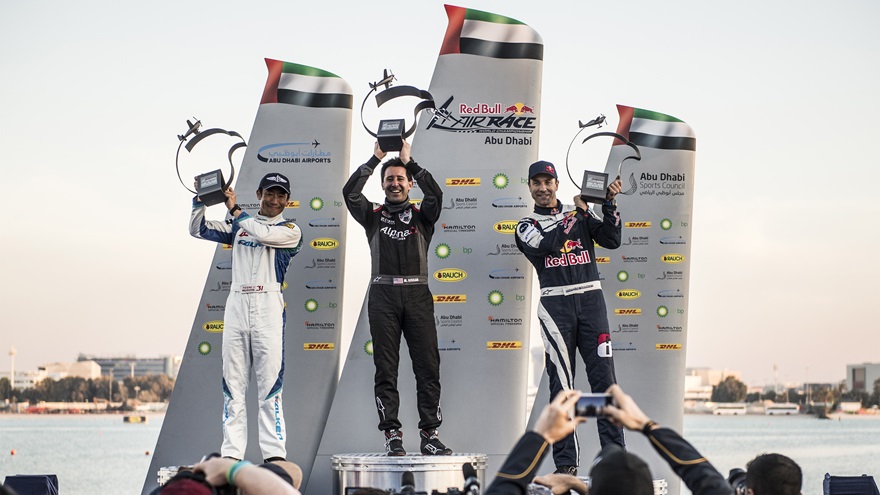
(559, 243)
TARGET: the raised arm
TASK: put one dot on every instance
(358, 204)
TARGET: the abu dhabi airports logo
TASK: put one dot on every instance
(487, 118)
(670, 293)
(299, 152)
(324, 222)
(517, 202)
(321, 284)
(506, 274)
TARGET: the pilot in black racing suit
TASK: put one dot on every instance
(399, 301)
(558, 240)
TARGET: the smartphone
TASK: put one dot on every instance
(592, 405)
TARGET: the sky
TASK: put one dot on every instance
(95, 256)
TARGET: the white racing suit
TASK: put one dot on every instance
(253, 325)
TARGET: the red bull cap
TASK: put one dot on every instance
(542, 167)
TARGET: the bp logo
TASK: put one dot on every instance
(666, 224)
(442, 251)
(496, 298)
(311, 305)
(622, 276)
(500, 181)
(204, 348)
(662, 311)
(316, 204)
(368, 347)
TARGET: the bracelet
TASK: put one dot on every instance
(233, 470)
(648, 426)
(234, 208)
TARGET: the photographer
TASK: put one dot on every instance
(772, 474)
(614, 470)
(225, 476)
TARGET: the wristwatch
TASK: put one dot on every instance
(234, 209)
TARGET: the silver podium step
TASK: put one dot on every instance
(381, 471)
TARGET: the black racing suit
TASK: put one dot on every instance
(559, 243)
(399, 299)
(696, 471)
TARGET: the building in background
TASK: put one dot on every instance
(130, 366)
(861, 377)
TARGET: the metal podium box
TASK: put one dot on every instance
(376, 470)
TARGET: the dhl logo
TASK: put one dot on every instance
(324, 243)
(450, 275)
(467, 181)
(628, 294)
(637, 225)
(672, 258)
(226, 247)
(292, 204)
(668, 347)
(415, 202)
(215, 326)
(503, 345)
(628, 311)
(505, 226)
(318, 346)
(450, 298)
(603, 259)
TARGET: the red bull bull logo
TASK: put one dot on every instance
(571, 245)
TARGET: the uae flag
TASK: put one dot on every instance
(296, 84)
(654, 130)
(484, 34)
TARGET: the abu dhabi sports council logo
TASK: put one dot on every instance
(321, 263)
(298, 152)
(462, 204)
(487, 118)
(656, 184)
(504, 249)
(636, 240)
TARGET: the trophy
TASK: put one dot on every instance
(210, 186)
(392, 132)
(594, 185)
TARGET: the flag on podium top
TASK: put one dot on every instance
(654, 130)
(296, 84)
(475, 32)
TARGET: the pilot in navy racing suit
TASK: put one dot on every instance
(558, 240)
(253, 324)
(399, 300)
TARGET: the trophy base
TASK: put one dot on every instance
(211, 188)
(594, 187)
(390, 135)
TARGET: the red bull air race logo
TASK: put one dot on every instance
(487, 118)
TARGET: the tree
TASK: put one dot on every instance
(729, 390)
(875, 396)
(5, 389)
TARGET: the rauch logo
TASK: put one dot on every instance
(450, 275)
(628, 294)
(324, 243)
(215, 326)
(672, 258)
(505, 226)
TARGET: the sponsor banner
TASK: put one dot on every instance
(302, 130)
(503, 345)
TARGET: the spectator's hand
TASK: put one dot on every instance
(613, 189)
(230, 198)
(580, 203)
(555, 421)
(624, 411)
(405, 153)
(215, 469)
(377, 151)
(562, 484)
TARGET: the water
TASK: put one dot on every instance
(102, 455)
(90, 454)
